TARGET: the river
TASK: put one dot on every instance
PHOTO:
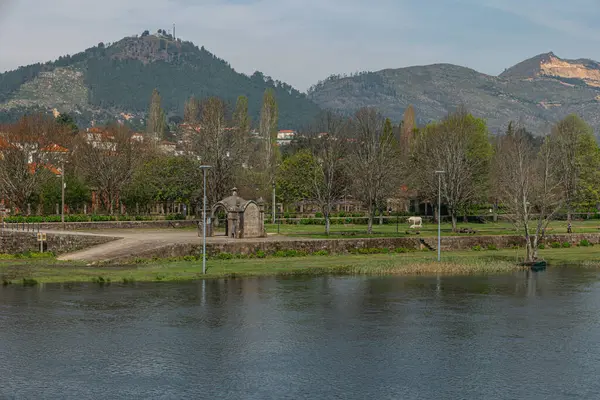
(520, 336)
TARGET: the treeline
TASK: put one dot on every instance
(117, 169)
(530, 178)
(366, 156)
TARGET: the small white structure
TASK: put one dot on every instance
(415, 222)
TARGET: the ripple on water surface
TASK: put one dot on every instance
(529, 336)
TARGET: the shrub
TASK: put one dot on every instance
(321, 253)
(225, 256)
(542, 246)
(401, 250)
(101, 218)
(492, 247)
(555, 245)
(476, 248)
(566, 245)
(585, 243)
(260, 254)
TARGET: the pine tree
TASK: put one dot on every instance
(156, 123)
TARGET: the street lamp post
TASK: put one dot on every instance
(273, 203)
(62, 195)
(439, 246)
(204, 168)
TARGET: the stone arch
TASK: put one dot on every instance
(218, 220)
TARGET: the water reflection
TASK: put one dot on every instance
(306, 338)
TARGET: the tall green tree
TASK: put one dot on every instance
(68, 122)
(156, 122)
(295, 176)
(460, 146)
(577, 159)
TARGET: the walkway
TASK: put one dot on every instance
(134, 242)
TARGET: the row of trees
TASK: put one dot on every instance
(531, 178)
(364, 155)
(120, 168)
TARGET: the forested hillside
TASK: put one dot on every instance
(106, 80)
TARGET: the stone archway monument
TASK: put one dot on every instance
(244, 218)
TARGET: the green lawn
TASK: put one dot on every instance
(15, 270)
(391, 230)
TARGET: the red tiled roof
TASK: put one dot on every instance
(34, 166)
(54, 148)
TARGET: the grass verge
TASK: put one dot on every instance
(31, 271)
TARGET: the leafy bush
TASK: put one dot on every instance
(585, 243)
(260, 254)
(492, 247)
(566, 245)
(225, 256)
(476, 248)
(542, 246)
(321, 253)
(401, 250)
(555, 245)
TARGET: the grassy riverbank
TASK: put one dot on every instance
(32, 270)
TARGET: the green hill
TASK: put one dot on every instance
(537, 92)
(102, 82)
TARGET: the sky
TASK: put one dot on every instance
(303, 41)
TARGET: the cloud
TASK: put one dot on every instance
(303, 41)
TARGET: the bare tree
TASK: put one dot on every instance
(107, 160)
(329, 178)
(28, 156)
(528, 186)
(222, 145)
(191, 112)
(460, 147)
(407, 129)
(269, 116)
(374, 159)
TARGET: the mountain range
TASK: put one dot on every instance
(115, 81)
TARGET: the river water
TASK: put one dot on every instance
(521, 336)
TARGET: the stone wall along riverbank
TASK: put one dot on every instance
(345, 246)
(22, 242)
